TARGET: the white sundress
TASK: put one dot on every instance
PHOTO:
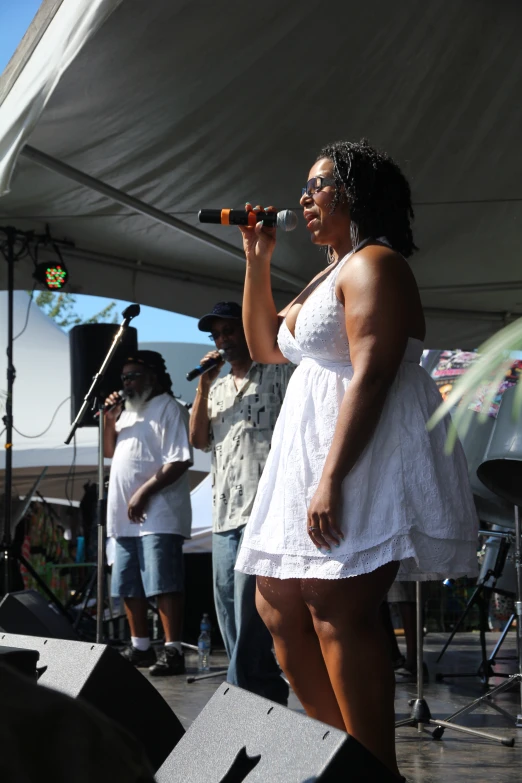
(403, 500)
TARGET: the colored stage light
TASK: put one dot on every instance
(53, 276)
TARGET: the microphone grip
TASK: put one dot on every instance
(203, 368)
(196, 372)
(120, 401)
(237, 217)
(210, 216)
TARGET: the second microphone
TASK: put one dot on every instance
(203, 368)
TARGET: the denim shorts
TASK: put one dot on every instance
(148, 565)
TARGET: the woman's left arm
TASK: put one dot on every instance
(374, 286)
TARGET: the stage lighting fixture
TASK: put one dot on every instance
(53, 275)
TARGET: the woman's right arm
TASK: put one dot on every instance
(260, 318)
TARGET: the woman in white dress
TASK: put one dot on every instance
(355, 491)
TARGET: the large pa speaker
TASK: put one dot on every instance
(239, 736)
(88, 346)
(28, 612)
(101, 676)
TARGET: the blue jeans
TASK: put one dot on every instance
(147, 565)
(247, 640)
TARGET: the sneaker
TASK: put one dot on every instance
(169, 662)
(139, 658)
(407, 674)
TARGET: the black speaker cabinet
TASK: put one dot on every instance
(242, 737)
(88, 346)
(28, 612)
(99, 675)
(24, 661)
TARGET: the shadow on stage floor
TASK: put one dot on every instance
(456, 758)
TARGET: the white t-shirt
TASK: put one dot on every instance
(148, 439)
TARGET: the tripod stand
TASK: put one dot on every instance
(420, 716)
(481, 596)
(92, 400)
(16, 246)
(514, 679)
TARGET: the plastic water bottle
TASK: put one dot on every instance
(204, 645)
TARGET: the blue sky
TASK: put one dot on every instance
(152, 324)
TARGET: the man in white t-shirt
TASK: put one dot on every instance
(148, 507)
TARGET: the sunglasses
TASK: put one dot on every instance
(130, 376)
(316, 184)
(226, 332)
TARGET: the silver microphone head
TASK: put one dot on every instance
(286, 220)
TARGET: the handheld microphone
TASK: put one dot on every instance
(285, 220)
(203, 368)
(121, 394)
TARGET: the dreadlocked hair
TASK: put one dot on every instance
(377, 193)
(154, 362)
(164, 379)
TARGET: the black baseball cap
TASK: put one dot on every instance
(220, 310)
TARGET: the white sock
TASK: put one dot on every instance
(176, 645)
(141, 643)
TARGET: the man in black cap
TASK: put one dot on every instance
(235, 419)
(148, 508)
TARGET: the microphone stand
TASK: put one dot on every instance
(420, 715)
(92, 400)
(14, 245)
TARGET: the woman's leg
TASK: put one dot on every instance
(284, 612)
(346, 617)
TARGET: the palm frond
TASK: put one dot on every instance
(489, 372)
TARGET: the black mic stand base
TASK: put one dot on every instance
(420, 716)
(514, 679)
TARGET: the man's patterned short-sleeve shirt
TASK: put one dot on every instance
(241, 425)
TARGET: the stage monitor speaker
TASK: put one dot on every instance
(88, 346)
(239, 736)
(24, 661)
(28, 612)
(101, 676)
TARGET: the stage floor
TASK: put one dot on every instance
(457, 757)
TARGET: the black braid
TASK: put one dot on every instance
(164, 379)
(377, 192)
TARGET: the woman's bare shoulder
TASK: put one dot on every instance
(374, 261)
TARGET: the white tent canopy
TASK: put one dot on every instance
(43, 382)
(181, 105)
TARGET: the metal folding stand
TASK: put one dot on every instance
(481, 596)
(514, 679)
(91, 401)
(420, 716)
(15, 246)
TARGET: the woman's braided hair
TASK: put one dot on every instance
(377, 192)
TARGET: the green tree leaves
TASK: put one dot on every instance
(62, 309)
